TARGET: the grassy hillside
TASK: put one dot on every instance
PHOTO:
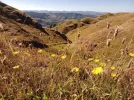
(19, 25)
(69, 25)
(98, 33)
(37, 64)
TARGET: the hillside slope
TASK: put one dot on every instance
(97, 34)
(69, 25)
(17, 24)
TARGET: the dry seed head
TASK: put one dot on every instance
(129, 64)
(3, 59)
(78, 35)
(20, 44)
(109, 34)
(108, 25)
(30, 45)
(1, 26)
(108, 42)
(116, 32)
(122, 52)
(126, 51)
(123, 40)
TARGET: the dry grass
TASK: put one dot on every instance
(41, 76)
(69, 73)
(69, 25)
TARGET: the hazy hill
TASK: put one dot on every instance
(54, 17)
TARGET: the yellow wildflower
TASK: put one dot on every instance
(63, 57)
(102, 64)
(75, 69)
(53, 55)
(112, 68)
(16, 52)
(27, 53)
(96, 60)
(15, 38)
(16, 67)
(131, 54)
(90, 59)
(113, 74)
(97, 70)
(40, 51)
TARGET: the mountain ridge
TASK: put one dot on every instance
(79, 12)
(54, 17)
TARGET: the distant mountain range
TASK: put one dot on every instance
(53, 17)
(78, 12)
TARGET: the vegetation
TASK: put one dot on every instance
(69, 25)
(97, 65)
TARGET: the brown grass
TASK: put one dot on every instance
(43, 77)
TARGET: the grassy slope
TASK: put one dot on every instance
(17, 22)
(97, 33)
(117, 19)
(69, 25)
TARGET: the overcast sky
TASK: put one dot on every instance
(74, 5)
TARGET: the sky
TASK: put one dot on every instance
(74, 5)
